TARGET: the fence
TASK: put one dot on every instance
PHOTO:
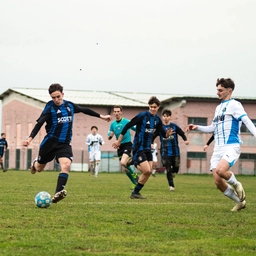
(20, 159)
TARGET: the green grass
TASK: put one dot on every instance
(99, 218)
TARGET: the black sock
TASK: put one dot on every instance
(62, 181)
(138, 188)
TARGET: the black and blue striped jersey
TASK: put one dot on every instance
(146, 126)
(59, 120)
(3, 145)
(170, 145)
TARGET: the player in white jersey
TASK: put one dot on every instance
(94, 141)
(226, 127)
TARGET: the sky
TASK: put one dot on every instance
(155, 46)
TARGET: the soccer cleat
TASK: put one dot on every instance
(32, 167)
(239, 206)
(137, 196)
(172, 188)
(129, 161)
(240, 191)
(153, 174)
(59, 196)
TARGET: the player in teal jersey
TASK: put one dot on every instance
(125, 149)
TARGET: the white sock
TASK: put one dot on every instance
(230, 192)
(232, 180)
(97, 167)
(153, 171)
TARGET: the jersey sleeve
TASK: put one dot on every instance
(181, 133)
(131, 123)
(87, 111)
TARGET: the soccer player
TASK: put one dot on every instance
(59, 116)
(154, 158)
(226, 126)
(125, 149)
(94, 141)
(3, 147)
(146, 123)
(170, 151)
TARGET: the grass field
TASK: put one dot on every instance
(99, 218)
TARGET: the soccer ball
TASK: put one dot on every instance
(43, 199)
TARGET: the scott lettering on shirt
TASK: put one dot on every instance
(64, 119)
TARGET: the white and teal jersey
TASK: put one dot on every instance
(117, 127)
(227, 122)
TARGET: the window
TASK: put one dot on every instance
(246, 156)
(244, 128)
(196, 155)
(197, 120)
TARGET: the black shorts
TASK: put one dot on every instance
(142, 156)
(125, 148)
(171, 163)
(51, 149)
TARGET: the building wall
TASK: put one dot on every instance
(19, 115)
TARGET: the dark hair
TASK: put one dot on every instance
(153, 100)
(117, 106)
(54, 88)
(2, 134)
(167, 112)
(94, 127)
(226, 83)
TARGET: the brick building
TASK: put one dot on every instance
(21, 107)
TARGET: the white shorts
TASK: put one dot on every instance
(94, 156)
(230, 153)
(154, 157)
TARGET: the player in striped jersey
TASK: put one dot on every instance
(170, 151)
(58, 115)
(146, 124)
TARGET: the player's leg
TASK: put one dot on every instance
(97, 168)
(128, 170)
(228, 191)
(92, 162)
(143, 162)
(223, 170)
(64, 157)
(1, 162)
(154, 166)
(45, 155)
(97, 163)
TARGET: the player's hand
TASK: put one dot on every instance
(169, 132)
(106, 117)
(25, 143)
(205, 147)
(191, 127)
(116, 144)
(186, 142)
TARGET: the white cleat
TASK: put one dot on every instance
(172, 188)
(240, 191)
(239, 206)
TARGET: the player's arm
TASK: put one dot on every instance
(182, 134)
(206, 129)
(37, 127)
(110, 135)
(90, 112)
(249, 124)
(128, 126)
(101, 140)
(88, 140)
(208, 142)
